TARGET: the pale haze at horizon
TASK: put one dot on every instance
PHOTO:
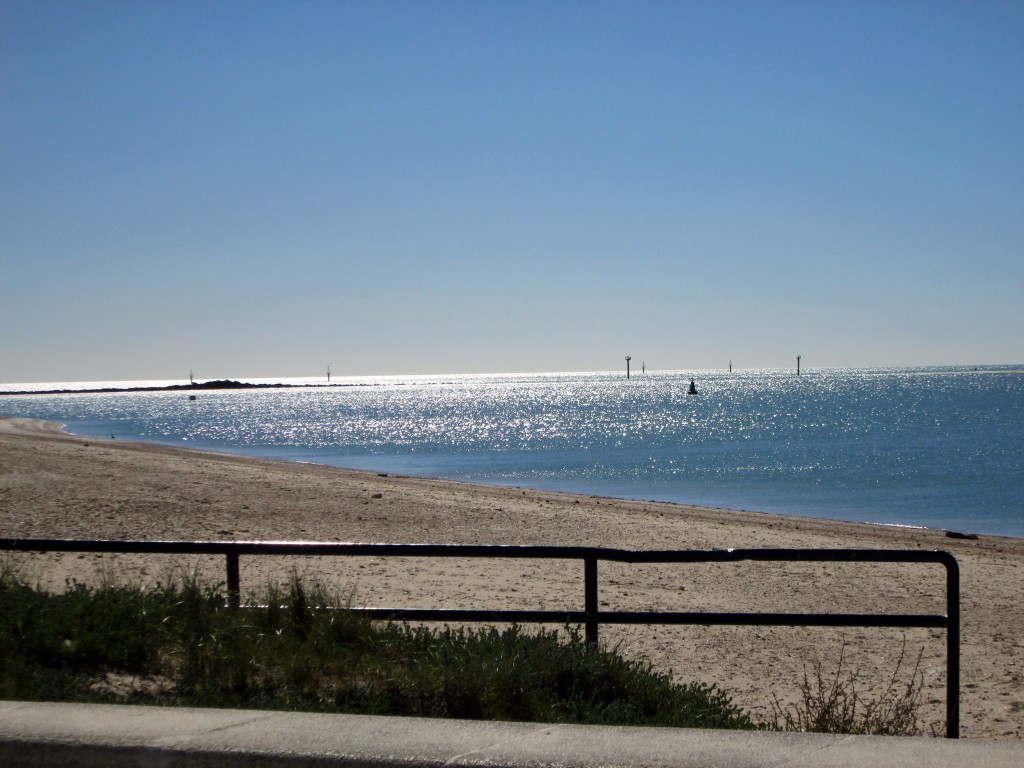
(261, 190)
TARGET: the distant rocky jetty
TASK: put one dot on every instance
(225, 384)
(196, 386)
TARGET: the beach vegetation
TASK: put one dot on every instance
(832, 701)
(178, 644)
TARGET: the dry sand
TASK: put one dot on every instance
(55, 485)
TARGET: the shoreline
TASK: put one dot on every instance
(960, 478)
(958, 533)
(57, 485)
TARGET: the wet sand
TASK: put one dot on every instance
(55, 485)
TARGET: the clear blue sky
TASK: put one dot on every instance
(268, 188)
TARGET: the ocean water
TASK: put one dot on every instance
(935, 447)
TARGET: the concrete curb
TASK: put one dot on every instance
(112, 736)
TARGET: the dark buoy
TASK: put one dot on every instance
(191, 397)
(693, 388)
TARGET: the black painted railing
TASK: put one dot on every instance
(591, 617)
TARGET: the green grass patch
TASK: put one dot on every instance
(178, 644)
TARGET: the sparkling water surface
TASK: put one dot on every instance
(939, 447)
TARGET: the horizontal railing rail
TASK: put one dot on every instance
(591, 617)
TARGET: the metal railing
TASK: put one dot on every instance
(591, 617)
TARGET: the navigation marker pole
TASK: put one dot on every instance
(628, 358)
(798, 365)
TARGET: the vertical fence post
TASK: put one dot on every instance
(234, 580)
(952, 649)
(590, 597)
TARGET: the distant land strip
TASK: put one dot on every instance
(222, 384)
(193, 387)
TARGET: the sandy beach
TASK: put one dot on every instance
(55, 485)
